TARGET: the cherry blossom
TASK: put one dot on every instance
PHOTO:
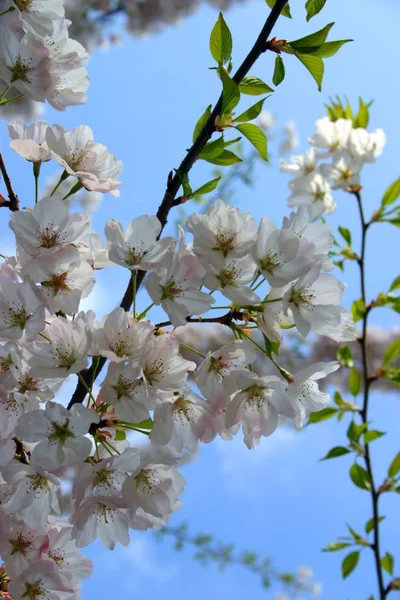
(29, 141)
(104, 517)
(40, 582)
(21, 309)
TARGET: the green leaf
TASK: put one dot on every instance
(314, 65)
(201, 122)
(207, 187)
(355, 381)
(147, 424)
(213, 149)
(361, 119)
(251, 113)
(311, 42)
(395, 285)
(394, 466)
(322, 415)
(360, 477)
(344, 355)
(349, 563)
(120, 435)
(256, 137)
(372, 434)
(370, 525)
(224, 159)
(329, 49)
(253, 86)
(391, 194)
(357, 537)
(335, 546)
(336, 451)
(338, 398)
(286, 10)
(391, 352)
(354, 431)
(358, 309)
(313, 7)
(346, 235)
(221, 41)
(279, 71)
(230, 92)
(184, 179)
(387, 563)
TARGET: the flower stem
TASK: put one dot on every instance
(134, 285)
(63, 177)
(191, 349)
(36, 173)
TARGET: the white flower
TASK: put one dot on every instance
(291, 139)
(138, 248)
(272, 319)
(126, 390)
(176, 288)
(48, 225)
(218, 373)
(180, 421)
(21, 309)
(24, 63)
(266, 120)
(121, 338)
(7, 451)
(224, 231)
(81, 156)
(60, 433)
(231, 278)
(12, 406)
(162, 367)
(302, 164)
(33, 388)
(40, 16)
(10, 364)
(40, 582)
(94, 251)
(29, 141)
(34, 494)
(313, 301)
(331, 135)
(344, 170)
(68, 87)
(367, 146)
(106, 477)
(102, 517)
(65, 353)
(155, 489)
(64, 278)
(257, 407)
(304, 393)
(20, 546)
(281, 256)
(69, 565)
(314, 191)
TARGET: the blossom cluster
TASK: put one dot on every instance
(38, 59)
(346, 148)
(272, 278)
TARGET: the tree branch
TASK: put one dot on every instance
(13, 202)
(364, 411)
(174, 182)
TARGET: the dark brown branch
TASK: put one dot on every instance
(364, 411)
(174, 182)
(232, 315)
(13, 202)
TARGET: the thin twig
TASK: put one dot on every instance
(364, 411)
(174, 181)
(13, 202)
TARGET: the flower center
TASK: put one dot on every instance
(65, 356)
(17, 317)
(39, 483)
(270, 261)
(183, 410)
(23, 5)
(229, 275)
(57, 282)
(134, 256)
(61, 432)
(126, 387)
(171, 290)
(49, 237)
(5, 363)
(33, 591)
(302, 297)
(20, 545)
(225, 241)
(19, 71)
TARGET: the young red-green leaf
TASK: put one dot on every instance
(394, 466)
(251, 113)
(286, 10)
(370, 524)
(391, 352)
(230, 92)
(360, 477)
(201, 122)
(391, 194)
(207, 187)
(253, 86)
(349, 563)
(335, 546)
(279, 71)
(322, 415)
(387, 563)
(256, 137)
(355, 381)
(313, 7)
(225, 159)
(335, 452)
(221, 41)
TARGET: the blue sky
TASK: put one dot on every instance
(144, 100)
